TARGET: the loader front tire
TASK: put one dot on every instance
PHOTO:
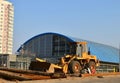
(74, 67)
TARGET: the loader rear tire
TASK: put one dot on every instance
(92, 67)
(74, 67)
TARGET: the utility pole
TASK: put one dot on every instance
(119, 57)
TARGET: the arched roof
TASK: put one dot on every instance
(103, 52)
(48, 33)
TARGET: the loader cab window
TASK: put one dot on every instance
(84, 48)
(81, 48)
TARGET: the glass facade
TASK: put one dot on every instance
(39, 47)
(61, 46)
(48, 45)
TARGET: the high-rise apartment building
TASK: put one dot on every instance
(6, 27)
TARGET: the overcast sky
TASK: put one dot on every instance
(94, 20)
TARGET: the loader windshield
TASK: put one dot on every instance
(81, 48)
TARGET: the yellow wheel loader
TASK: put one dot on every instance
(81, 62)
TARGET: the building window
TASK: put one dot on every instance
(1, 7)
(1, 11)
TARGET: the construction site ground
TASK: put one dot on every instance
(92, 79)
(27, 76)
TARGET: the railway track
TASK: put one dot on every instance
(15, 74)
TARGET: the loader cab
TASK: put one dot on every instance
(80, 48)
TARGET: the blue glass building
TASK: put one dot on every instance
(48, 45)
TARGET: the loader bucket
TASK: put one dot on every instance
(43, 66)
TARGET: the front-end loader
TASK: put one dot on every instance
(81, 62)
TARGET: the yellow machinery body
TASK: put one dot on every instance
(81, 61)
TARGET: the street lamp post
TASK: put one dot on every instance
(22, 56)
